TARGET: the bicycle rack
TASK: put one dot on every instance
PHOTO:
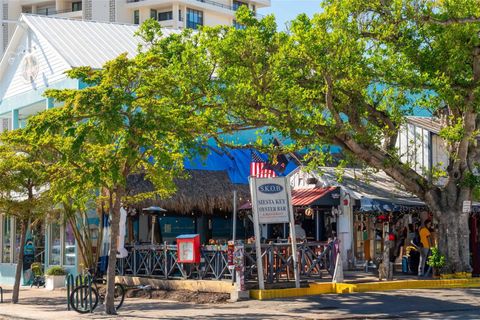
(70, 283)
(73, 283)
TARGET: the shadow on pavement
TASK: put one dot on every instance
(392, 305)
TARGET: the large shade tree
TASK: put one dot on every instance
(350, 76)
(131, 118)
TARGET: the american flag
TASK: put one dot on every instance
(259, 168)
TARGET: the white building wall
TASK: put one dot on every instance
(403, 142)
(117, 11)
(122, 13)
(101, 10)
(51, 67)
(212, 18)
(422, 149)
(345, 228)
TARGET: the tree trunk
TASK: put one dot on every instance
(112, 256)
(453, 240)
(19, 270)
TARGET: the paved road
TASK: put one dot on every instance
(403, 304)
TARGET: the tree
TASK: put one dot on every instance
(24, 178)
(130, 119)
(349, 76)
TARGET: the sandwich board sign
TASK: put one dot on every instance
(272, 203)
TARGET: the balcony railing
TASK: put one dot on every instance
(51, 12)
(213, 3)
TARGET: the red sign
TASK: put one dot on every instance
(230, 251)
(188, 248)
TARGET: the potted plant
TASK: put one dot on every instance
(436, 260)
(55, 277)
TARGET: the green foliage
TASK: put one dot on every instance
(117, 127)
(36, 269)
(436, 259)
(348, 76)
(56, 271)
(24, 176)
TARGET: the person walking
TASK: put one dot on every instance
(426, 244)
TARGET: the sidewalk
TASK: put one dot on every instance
(413, 304)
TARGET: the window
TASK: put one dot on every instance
(238, 4)
(7, 232)
(37, 233)
(238, 25)
(77, 6)
(18, 234)
(55, 244)
(163, 16)
(153, 14)
(194, 18)
(136, 17)
(180, 18)
(69, 252)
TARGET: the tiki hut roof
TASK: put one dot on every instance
(204, 191)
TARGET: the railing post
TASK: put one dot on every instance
(134, 261)
(270, 262)
(89, 281)
(166, 258)
(70, 284)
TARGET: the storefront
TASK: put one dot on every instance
(53, 244)
(372, 227)
(370, 206)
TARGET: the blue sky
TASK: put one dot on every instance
(286, 10)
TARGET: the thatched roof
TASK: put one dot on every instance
(204, 191)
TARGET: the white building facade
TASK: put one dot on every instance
(170, 13)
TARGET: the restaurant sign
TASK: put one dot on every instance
(270, 200)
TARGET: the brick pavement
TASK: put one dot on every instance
(462, 304)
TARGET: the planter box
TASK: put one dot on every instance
(54, 282)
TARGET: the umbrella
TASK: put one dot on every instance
(154, 211)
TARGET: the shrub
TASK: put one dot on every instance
(56, 271)
(436, 259)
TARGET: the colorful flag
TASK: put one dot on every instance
(259, 167)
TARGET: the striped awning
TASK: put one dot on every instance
(302, 197)
(306, 197)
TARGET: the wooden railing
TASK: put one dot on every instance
(314, 260)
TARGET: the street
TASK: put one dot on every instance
(403, 304)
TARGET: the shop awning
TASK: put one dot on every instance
(308, 197)
(327, 196)
(373, 190)
(371, 203)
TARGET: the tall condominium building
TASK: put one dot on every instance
(170, 13)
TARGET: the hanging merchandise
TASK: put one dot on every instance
(309, 212)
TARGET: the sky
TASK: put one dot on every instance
(286, 10)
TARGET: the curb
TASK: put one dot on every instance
(341, 288)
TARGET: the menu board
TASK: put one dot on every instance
(185, 251)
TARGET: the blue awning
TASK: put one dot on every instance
(236, 162)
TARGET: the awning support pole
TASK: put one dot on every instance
(234, 231)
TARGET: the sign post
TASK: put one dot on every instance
(256, 229)
(272, 203)
(293, 235)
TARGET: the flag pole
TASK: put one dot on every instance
(234, 231)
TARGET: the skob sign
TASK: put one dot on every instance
(270, 200)
(271, 203)
(270, 188)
